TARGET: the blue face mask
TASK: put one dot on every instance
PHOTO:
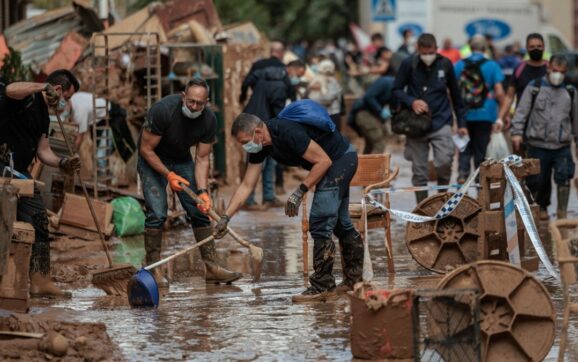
(190, 114)
(295, 80)
(252, 146)
(61, 104)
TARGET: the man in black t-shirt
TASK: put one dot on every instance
(24, 123)
(175, 124)
(534, 68)
(331, 162)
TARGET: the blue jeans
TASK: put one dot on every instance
(560, 161)
(330, 207)
(154, 187)
(268, 179)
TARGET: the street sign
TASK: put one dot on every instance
(383, 10)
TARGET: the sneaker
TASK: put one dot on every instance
(343, 288)
(312, 295)
(274, 203)
(544, 214)
(253, 207)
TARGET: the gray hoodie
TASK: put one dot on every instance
(551, 124)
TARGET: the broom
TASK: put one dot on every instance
(113, 280)
(255, 252)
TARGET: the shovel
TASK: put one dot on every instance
(255, 252)
(113, 280)
(143, 290)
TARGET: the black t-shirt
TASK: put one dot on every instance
(528, 74)
(179, 133)
(290, 141)
(22, 123)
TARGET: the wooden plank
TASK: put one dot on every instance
(25, 187)
(81, 233)
(23, 232)
(75, 212)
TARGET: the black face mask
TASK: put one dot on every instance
(536, 54)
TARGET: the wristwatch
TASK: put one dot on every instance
(202, 191)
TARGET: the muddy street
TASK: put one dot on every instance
(245, 321)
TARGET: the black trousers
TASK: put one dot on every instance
(480, 133)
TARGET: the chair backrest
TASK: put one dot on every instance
(371, 169)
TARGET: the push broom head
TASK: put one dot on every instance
(114, 281)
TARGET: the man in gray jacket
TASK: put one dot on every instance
(546, 119)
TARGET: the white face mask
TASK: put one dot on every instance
(252, 146)
(428, 59)
(190, 114)
(556, 78)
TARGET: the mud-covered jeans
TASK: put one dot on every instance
(372, 131)
(330, 215)
(417, 151)
(560, 161)
(32, 210)
(154, 186)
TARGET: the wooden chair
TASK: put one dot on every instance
(565, 234)
(373, 172)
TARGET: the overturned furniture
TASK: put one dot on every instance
(475, 229)
(565, 234)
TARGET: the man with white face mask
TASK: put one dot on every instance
(422, 85)
(546, 121)
(174, 125)
(332, 162)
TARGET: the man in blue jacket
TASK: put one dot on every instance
(369, 113)
(422, 85)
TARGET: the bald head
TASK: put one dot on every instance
(277, 49)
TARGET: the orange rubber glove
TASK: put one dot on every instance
(207, 204)
(174, 181)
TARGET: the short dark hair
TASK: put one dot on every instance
(198, 82)
(63, 78)
(376, 36)
(426, 40)
(534, 36)
(296, 64)
(245, 122)
(380, 51)
(559, 59)
(406, 31)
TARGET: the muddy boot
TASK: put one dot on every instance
(322, 280)
(215, 273)
(563, 194)
(544, 214)
(153, 242)
(420, 196)
(351, 246)
(41, 286)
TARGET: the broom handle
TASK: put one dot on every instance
(90, 207)
(176, 255)
(215, 216)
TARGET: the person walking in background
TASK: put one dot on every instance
(369, 113)
(481, 86)
(422, 85)
(449, 51)
(326, 90)
(271, 85)
(546, 119)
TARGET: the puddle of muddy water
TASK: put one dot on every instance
(248, 321)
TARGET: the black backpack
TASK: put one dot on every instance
(472, 85)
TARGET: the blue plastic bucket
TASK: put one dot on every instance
(143, 291)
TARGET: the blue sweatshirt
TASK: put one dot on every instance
(431, 84)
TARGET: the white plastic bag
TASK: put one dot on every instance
(498, 146)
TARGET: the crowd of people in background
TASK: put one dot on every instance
(472, 92)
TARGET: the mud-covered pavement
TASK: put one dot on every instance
(244, 321)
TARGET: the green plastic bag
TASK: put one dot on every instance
(128, 217)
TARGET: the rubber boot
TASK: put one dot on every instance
(563, 193)
(351, 246)
(420, 196)
(41, 286)
(215, 273)
(153, 242)
(322, 280)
